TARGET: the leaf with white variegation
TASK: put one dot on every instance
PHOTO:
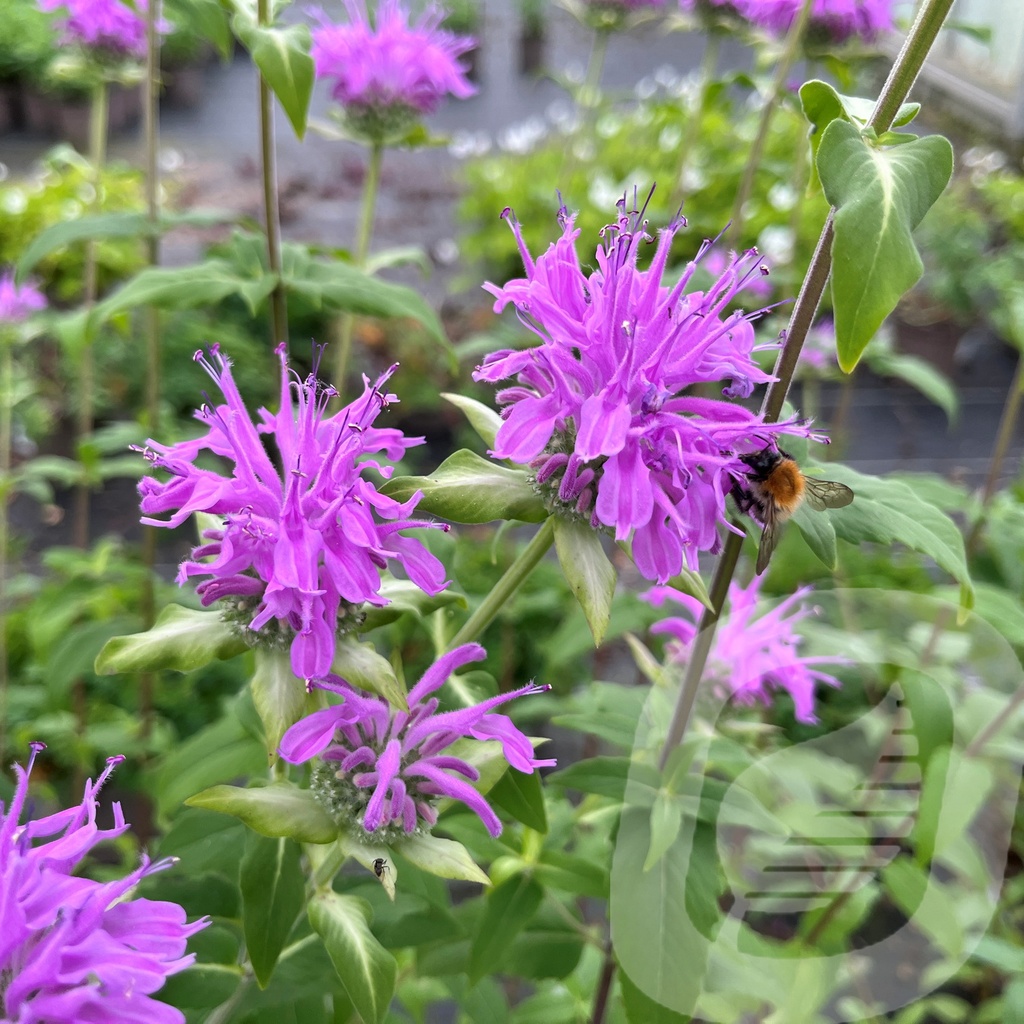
(482, 418)
(442, 857)
(279, 809)
(590, 575)
(361, 666)
(280, 697)
(366, 969)
(182, 639)
(466, 488)
(880, 196)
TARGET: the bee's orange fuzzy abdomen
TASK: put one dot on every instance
(785, 486)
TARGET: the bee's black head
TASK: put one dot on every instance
(763, 462)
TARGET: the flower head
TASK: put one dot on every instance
(834, 20)
(108, 25)
(751, 654)
(598, 408)
(73, 949)
(18, 301)
(386, 768)
(390, 70)
(300, 542)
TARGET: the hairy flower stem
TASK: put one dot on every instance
(151, 131)
(346, 325)
(708, 68)
(1011, 410)
(271, 209)
(780, 83)
(90, 283)
(902, 76)
(503, 590)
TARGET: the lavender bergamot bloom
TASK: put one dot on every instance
(390, 69)
(831, 20)
(598, 409)
(385, 769)
(303, 540)
(17, 302)
(752, 653)
(75, 950)
(109, 26)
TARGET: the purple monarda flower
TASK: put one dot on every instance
(72, 949)
(300, 543)
(835, 20)
(390, 70)
(386, 768)
(108, 25)
(751, 654)
(598, 409)
(18, 301)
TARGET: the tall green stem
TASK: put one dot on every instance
(371, 189)
(151, 131)
(271, 209)
(506, 586)
(1011, 410)
(590, 91)
(6, 419)
(779, 84)
(902, 76)
(87, 370)
(708, 70)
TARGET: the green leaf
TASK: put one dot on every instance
(590, 575)
(280, 697)
(345, 288)
(819, 533)
(935, 386)
(361, 665)
(466, 488)
(880, 195)
(887, 511)
(642, 1010)
(510, 906)
(366, 969)
(482, 418)
(521, 794)
(122, 224)
(442, 857)
(607, 776)
(281, 52)
(202, 284)
(931, 909)
(666, 820)
(822, 104)
(403, 598)
(182, 639)
(273, 894)
(692, 583)
(277, 810)
(998, 607)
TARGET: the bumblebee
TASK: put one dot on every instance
(773, 491)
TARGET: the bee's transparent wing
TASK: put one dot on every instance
(769, 538)
(823, 494)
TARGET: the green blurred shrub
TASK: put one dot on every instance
(27, 41)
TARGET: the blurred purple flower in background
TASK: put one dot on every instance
(18, 301)
(300, 542)
(751, 654)
(108, 25)
(837, 20)
(72, 949)
(598, 409)
(389, 70)
(387, 768)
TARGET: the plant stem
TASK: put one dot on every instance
(506, 586)
(6, 488)
(901, 77)
(590, 91)
(794, 39)
(371, 189)
(708, 67)
(90, 282)
(1011, 410)
(271, 209)
(604, 986)
(151, 131)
